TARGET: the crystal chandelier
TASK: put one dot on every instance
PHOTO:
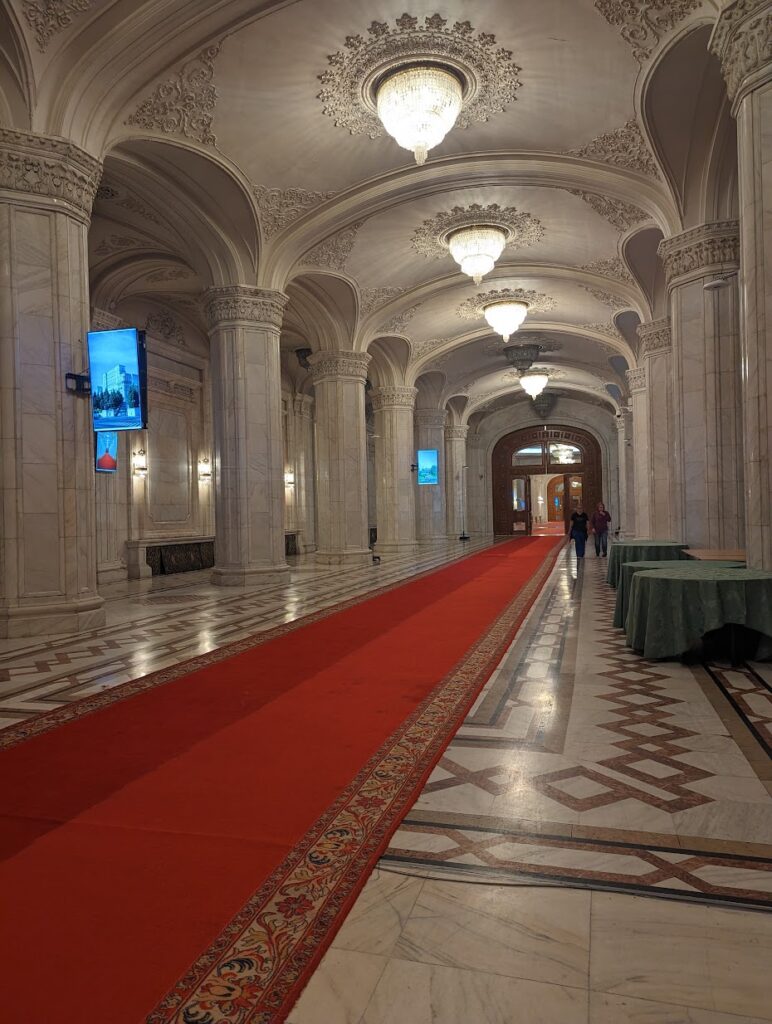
(477, 248)
(506, 317)
(534, 383)
(418, 106)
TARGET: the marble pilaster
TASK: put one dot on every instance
(478, 524)
(305, 518)
(657, 359)
(624, 461)
(640, 497)
(48, 557)
(394, 454)
(455, 480)
(244, 325)
(341, 457)
(431, 522)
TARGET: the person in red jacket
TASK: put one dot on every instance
(600, 523)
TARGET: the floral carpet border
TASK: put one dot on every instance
(27, 729)
(257, 967)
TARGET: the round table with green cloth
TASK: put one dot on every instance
(671, 609)
(630, 568)
(640, 551)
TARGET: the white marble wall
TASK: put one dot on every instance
(663, 455)
(477, 478)
(431, 518)
(394, 480)
(639, 496)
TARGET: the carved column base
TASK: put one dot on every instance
(396, 550)
(343, 557)
(47, 619)
(238, 577)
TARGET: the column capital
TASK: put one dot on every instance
(102, 320)
(50, 168)
(341, 364)
(430, 417)
(238, 303)
(394, 396)
(655, 336)
(303, 405)
(636, 378)
(708, 248)
(742, 41)
(456, 433)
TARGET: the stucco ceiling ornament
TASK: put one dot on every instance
(170, 274)
(655, 336)
(281, 206)
(612, 267)
(334, 251)
(371, 299)
(606, 298)
(609, 330)
(47, 17)
(520, 228)
(488, 73)
(742, 41)
(474, 308)
(617, 212)
(636, 378)
(184, 103)
(643, 23)
(119, 243)
(163, 325)
(622, 147)
(398, 323)
(422, 348)
(118, 196)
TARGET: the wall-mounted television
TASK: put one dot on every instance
(118, 371)
(106, 451)
(428, 466)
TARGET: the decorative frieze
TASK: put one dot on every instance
(622, 215)
(708, 248)
(655, 336)
(183, 104)
(340, 364)
(643, 23)
(456, 433)
(622, 147)
(636, 378)
(393, 397)
(281, 206)
(371, 299)
(334, 251)
(53, 168)
(742, 41)
(474, 308)
(521, 228)
(171, 388)
(430, 417)
(47, 18)
(241, 304)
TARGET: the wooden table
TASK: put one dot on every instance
(717, 554)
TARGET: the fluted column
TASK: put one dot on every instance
(244, 325)
(742, 40)
(455, 477)
(478, 520)
(641, 497)
(305, 511)
(430, 502)
(48, 558)
(394, 455)
(657, 359)
(341, 457)
(708, 465)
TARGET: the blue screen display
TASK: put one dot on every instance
(117, 369)
(428, 466)
(106, 455)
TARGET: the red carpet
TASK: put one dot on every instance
(227, 818)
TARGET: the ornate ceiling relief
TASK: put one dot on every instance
(47, 17)
(119, 243)
(643, 23)
(371, 299)
(423, 348)
(398, 323)
(48, 167)
(163, 325)
(430, 239)
(334, 251)
(281, 206)
(742, 41)
(622, 215)
(609, 330)
(622, 147)
(473, 309)
(184, 104)
(489, 71)
(119, 196)
(607, 298)
(612, 267)
(172, 274)
(655, 336)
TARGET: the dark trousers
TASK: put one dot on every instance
(580, 539)
(601, 542)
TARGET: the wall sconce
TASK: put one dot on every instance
(204, 470)
(289, 479)
(139, 463)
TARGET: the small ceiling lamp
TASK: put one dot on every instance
(477, 248)
(522, 357)
(506, 317)
(534, 383)
(418, 105)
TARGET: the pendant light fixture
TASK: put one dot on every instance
(506, 317)
(476, 249)
(418, 105)
(534, 383)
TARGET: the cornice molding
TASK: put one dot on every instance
(184, 103)
(393, 397)
(339, 365)
(47, 18)
(655, 336)
(244, 305)
(48, 167)
(636, 378)
(623, 147)
(643, 23)
(704, 249)
(742, 41)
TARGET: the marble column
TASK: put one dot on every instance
(244, 325)
(478, 519)
(707, 409)
(641, 494)
(341, 457)
(656, 357)
(394, 481)
(48, 558)
(625, 520)
(742, 40)
(430, 502)
(455, 478)
(305, 511)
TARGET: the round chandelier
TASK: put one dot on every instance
(418, 105)
(505, 317)
(476, 249)
(534, 383)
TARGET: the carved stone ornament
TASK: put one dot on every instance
(655, 336)
(612, 267)
(281, 206)
(334, 251)
(184, 103)
(48, 17)
(163, 325)
(431, 238)
(708, 248)
(171, 388)
(119, 196)
(636, 378)
(643, 23)
(371, 299)
(112, 244)
(456, 433)
(430, 417)
(606, 298)
(393, 397)
(609, 330)
(622, 215)
(238, 303)
(622, 147)
(170, 274)
(423, 348)
(53, 168)
(742, 41)
(398, 323)
(490, 74)
(337, 365)
(474, 308)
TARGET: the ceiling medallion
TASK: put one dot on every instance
(476, 235)
(417, 81)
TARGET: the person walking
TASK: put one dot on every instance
(600, 523)
(579, 521)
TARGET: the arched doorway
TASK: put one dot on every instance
(539, 465)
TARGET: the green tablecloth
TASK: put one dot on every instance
(640, 551)
(630, 568)
(671, 609)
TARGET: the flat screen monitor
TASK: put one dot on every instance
(118, 370)
(106, 451)
(428, 466)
